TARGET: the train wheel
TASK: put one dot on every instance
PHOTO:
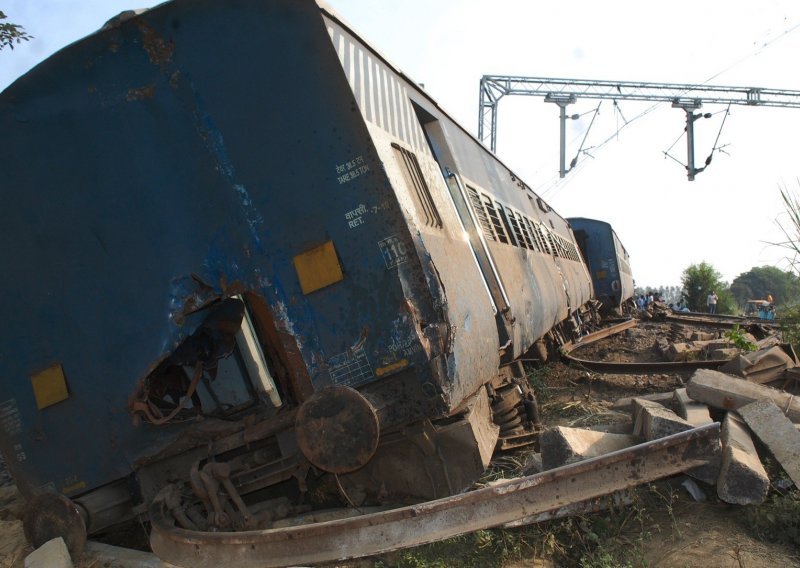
(50, 516)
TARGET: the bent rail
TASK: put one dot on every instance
(404, 527)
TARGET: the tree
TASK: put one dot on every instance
(11, 33)
(756, 283)
(790, 316)
(698, 281)
(791, 230)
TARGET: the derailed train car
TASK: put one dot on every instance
(247, 257)
(608, 262)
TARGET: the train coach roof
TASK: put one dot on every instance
(326, 10)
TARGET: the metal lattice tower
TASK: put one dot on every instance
(564, 92)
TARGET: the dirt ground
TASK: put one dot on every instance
(665, 526)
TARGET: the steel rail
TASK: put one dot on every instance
(644, 368)
(631, 367)
(717, 320)
(404, 527)
(598, 335)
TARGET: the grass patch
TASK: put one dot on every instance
(777, 520)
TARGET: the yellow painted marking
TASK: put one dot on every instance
(49, 386)
(74, 487)
(396, 366)
(318, 268)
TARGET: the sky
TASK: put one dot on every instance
(727, 217)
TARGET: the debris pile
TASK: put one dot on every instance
(738, 399)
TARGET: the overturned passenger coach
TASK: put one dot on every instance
(246, 259)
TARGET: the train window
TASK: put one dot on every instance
(557, 245)
(414, 177)
(541, 230)
(480, 213)
(502, 213)
(495, 218)
(550, 241)
(515, 226)
(531, 228)
(525, 234)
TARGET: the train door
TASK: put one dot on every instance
(458, 193)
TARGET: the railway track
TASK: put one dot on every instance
(352, 533)
(656, 367)
(384, 531)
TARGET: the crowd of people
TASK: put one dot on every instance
(645, 301)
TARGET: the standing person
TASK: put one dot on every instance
(711, 301)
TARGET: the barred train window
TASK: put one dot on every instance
(542, 231)
(414, 177)
(495, 218)
(525, 234)
(480, 213)
(532, 232)
(515, 225)
(501, 223)
(506, 224)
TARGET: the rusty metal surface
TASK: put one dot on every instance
(435, 520)
(50, 516)
(644, 368)
(337, 429)
(600, 334)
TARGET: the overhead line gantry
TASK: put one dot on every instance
(564, 92)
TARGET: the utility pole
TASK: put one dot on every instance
(564, 92)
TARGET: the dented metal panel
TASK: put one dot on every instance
(155, 173)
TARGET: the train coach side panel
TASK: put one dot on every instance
(186, 155)
(468, 330)
(537, 257)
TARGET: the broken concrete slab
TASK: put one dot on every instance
(624, 426)
(768, 341)
(768, 422)
(703, 336)
(695, 413)
(653, 421)
(626, 404)
(712, 344)
(682, 352)
(729, 393)
(742, 479)
(52, 554)
(760, 366)
(725, 354)
(562, 445)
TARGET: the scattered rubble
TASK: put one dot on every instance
(738, 398)
(562, 446)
